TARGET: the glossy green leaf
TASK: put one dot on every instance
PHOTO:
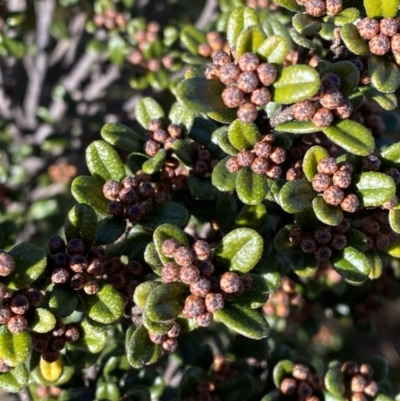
(392, 153)
(106, 306)
(282, 243)
(81, 222)
(311, 159)
(351, 264)
(122, 137)
(297, 127)
(103, 161)
(348, 74)
(291, 5)
(254, 297)
(152, 259)
(239, 250)
(110, 229)
(328, 214)
(394, 220)
(385, 75)
(168, 231)
(334, 381)
(62, 302)
(146, 110)
(282, 370)
(306, 25)
(252, 216)
(142, 291)
(351, 136)
(381, 8)
(87, 189)
(14, 348)
(305, 264)
(296, 196)
(166, 213)
(353, 40)
(251, 188)
(274, 49)
(201, 94)
(387, 101)
(200, 187)
(244, 321)
(92, 339)
(183, 151)
(222, 179)
(43, 321)
(30, 262)
(225, 116)
(139, 348)
(295, 83)
(156, 163)
(108, 391)
(15, 380)
(154, 327)
(249, 40)
(240, 19)
(165, 302)
(347, 16)
(301, 40)
(374, 188)
(181, 116)
(192, 37)
(243, 135)
(221, 137)
(116, 49)
(375, 262)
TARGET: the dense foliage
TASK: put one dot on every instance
(234, 230)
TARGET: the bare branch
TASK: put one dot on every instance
(95, 89)
(208, 14)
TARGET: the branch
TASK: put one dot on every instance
(96, 87)
(283, 116)
(207, 15)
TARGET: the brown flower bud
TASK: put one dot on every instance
(17, 324)
(205, 319)
(379, 45)
(111, 189)
(248, 62)
(267, 73)
(56, 244)
(333, 195)
(214, 302)
(232, 96)
(368, 28)
(194, 306)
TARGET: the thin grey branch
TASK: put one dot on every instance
(208, 14)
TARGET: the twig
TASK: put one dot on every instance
(207, 15)
(95, 88)
(24, 395)
(282, 117)
(44, 14)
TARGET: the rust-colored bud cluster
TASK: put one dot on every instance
(323, 241)
(319, 8)
(332, 180)
(360, 385)
(284, 301)
(322, 108)
(246, 79)
(110, 19)
(216, 42)
(303, 384)
(370, 115)
(50, 344)
(383, 36)
(203, 163)
(263, 159)
(378, 231)
(83, 269)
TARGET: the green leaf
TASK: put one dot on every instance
(122, 137)
(168, 231)
(375, 262)
(222, 138)
(116, 49)
(381, 8)
(305, 264)
(222, 179)
(166, 213)
(387, 101)
(274, 49)
(152, 259)
(394, 220)
(142, 291)
(282, 243)
(110, 229)
(249, 40)
(243, 135)
(106, 306)
(295, 83)
(225, 116)
(374, 189)
(87, 189)
(306, 25)
(353, 40)
(392, 153)
(156, 163)
(328, 214)
(146, 110)
(81, 222)
(385, 75)
(92, 339)
(192, 37)
(62, 302)
(282, 370)
(346, 16)
(301, 40)
(239, 250)
(240, 19)
(14, 348)
(108, 391)
(200, 187)
(103, 161)
(183, 151)
(43, 321)
(181, 116)
(334, 382)
(351, 264)
(165, 302)
(156, 328)
(311, 159)
(348, 74)
(252, 216)
(244, 321)
(30, 262)
(297, 127)
(251, 188)
(135, 161)
(351, 136)
(201, 94)
(15, 380)
(254, 297)
(296, 196)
